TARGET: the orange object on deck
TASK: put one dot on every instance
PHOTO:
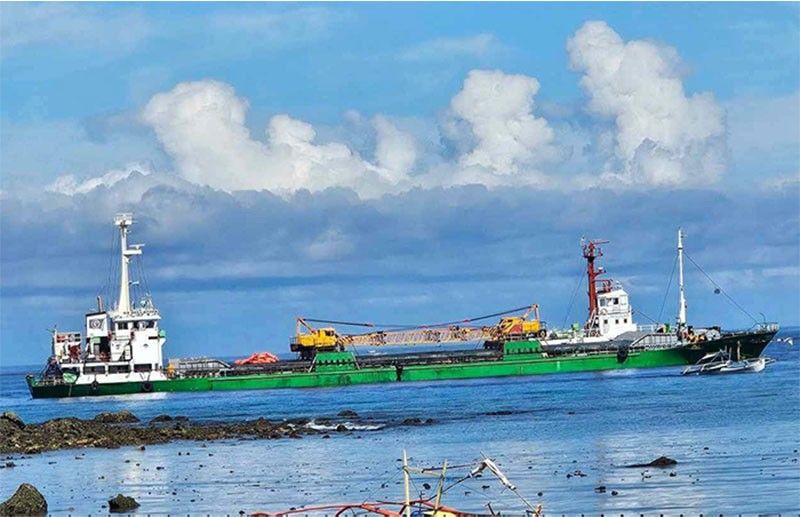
(258, 358)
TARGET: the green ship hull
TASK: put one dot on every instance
(334, 369)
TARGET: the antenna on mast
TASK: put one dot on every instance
(124, 221)
(682, 294)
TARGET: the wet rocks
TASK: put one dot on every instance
(659, 462)
(348, 413)
(27, 500)
(120, 417)
(107, 431)
(121, 503)
(11, 418)
(120, 429)
(417, 421)
(600, 490)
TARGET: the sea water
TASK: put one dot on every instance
(735, 437)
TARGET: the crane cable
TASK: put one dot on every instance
(394, 325)
(669, 285)
(720, 289)
(572, 300)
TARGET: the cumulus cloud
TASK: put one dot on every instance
(395, 150)
(202, 126)
(70, 185)
(662, 135)
(499, 110)
(490, 134)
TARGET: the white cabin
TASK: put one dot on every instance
(121, 345)
(614, 312)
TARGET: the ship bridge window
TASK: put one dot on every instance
(119, 368)
(122, 326)
(142, 367)
(616, 301)
(603, 302)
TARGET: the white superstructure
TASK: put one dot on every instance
(121, 345)
(615, 314)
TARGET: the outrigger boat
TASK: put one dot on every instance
(121, 351)
(720, 362)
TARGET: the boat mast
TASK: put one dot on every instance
(682, 299)
(123, 221)
(591, 250)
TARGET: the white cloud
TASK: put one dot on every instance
(104, 30)
(477, 46)
(499, 110)
(663, 136)
(395, 150)
(202, 126)
(273, 28)
(70, 185)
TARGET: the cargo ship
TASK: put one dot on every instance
(121, 349)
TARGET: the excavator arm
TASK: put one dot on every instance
(309, 340)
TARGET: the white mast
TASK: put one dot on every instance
(124, 221)
(682, 300)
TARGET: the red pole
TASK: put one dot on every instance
(591, 251)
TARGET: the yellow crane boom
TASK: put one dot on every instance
(309, 340)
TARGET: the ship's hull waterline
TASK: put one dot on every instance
(346, 372)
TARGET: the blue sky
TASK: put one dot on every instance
(397, 162)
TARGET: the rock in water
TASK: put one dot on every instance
(25, 501)
(11, 417)
(348, 413)
(120, 417)
(662, 461)
(122, 503)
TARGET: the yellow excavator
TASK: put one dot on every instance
(521, 326)
(313, 340)
(309, 340)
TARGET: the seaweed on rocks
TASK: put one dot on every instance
(120, 417)
(122, 503)
(27, 500)
(123, 428)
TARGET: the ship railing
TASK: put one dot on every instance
(647, 328)
(770, 326)
(651, 341)
(50, 381)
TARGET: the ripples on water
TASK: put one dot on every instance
(736, 439)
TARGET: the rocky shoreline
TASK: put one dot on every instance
(123, 428)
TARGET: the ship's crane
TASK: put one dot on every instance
(308, 340)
